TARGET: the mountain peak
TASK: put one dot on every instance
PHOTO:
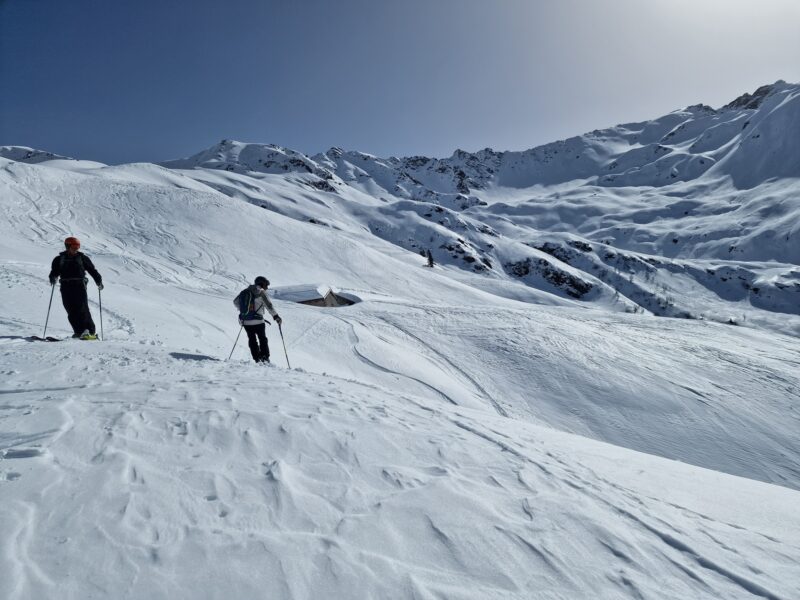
(29, 155)
(754, 100)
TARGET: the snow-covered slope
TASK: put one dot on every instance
(516, 425)
(694, 214)
(175, 253)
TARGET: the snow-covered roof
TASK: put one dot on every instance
(302, 293)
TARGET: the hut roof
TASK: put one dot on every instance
(302, 293)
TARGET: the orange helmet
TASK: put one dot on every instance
(72, 241)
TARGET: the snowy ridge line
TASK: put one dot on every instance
(682, 145)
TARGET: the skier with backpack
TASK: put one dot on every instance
(71, 267)
(252, 302)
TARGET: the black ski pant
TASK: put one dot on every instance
(257, 340)
(76, 303)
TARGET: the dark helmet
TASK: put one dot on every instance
(72, 241)
(262, 282)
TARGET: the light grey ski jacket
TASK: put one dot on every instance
(261, 302)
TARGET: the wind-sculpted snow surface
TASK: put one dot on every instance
(138, 473)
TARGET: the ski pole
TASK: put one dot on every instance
(236, 342)
(284, 346)
(52, 289)
(100, 300)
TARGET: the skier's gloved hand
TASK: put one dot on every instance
(100, 286)
(278, 319)
(52, 281)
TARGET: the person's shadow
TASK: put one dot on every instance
(197, 357)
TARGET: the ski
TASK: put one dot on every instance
(37, 338)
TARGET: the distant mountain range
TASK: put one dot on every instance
(751, 139)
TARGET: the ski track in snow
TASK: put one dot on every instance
(356, 340)
(451, 366)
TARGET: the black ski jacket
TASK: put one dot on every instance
(73, 268)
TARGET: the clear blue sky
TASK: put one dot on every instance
(129, 80)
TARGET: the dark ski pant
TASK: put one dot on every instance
(257, 340)
(76, 303)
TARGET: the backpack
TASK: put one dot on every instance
(247, 309)
(79, 260)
